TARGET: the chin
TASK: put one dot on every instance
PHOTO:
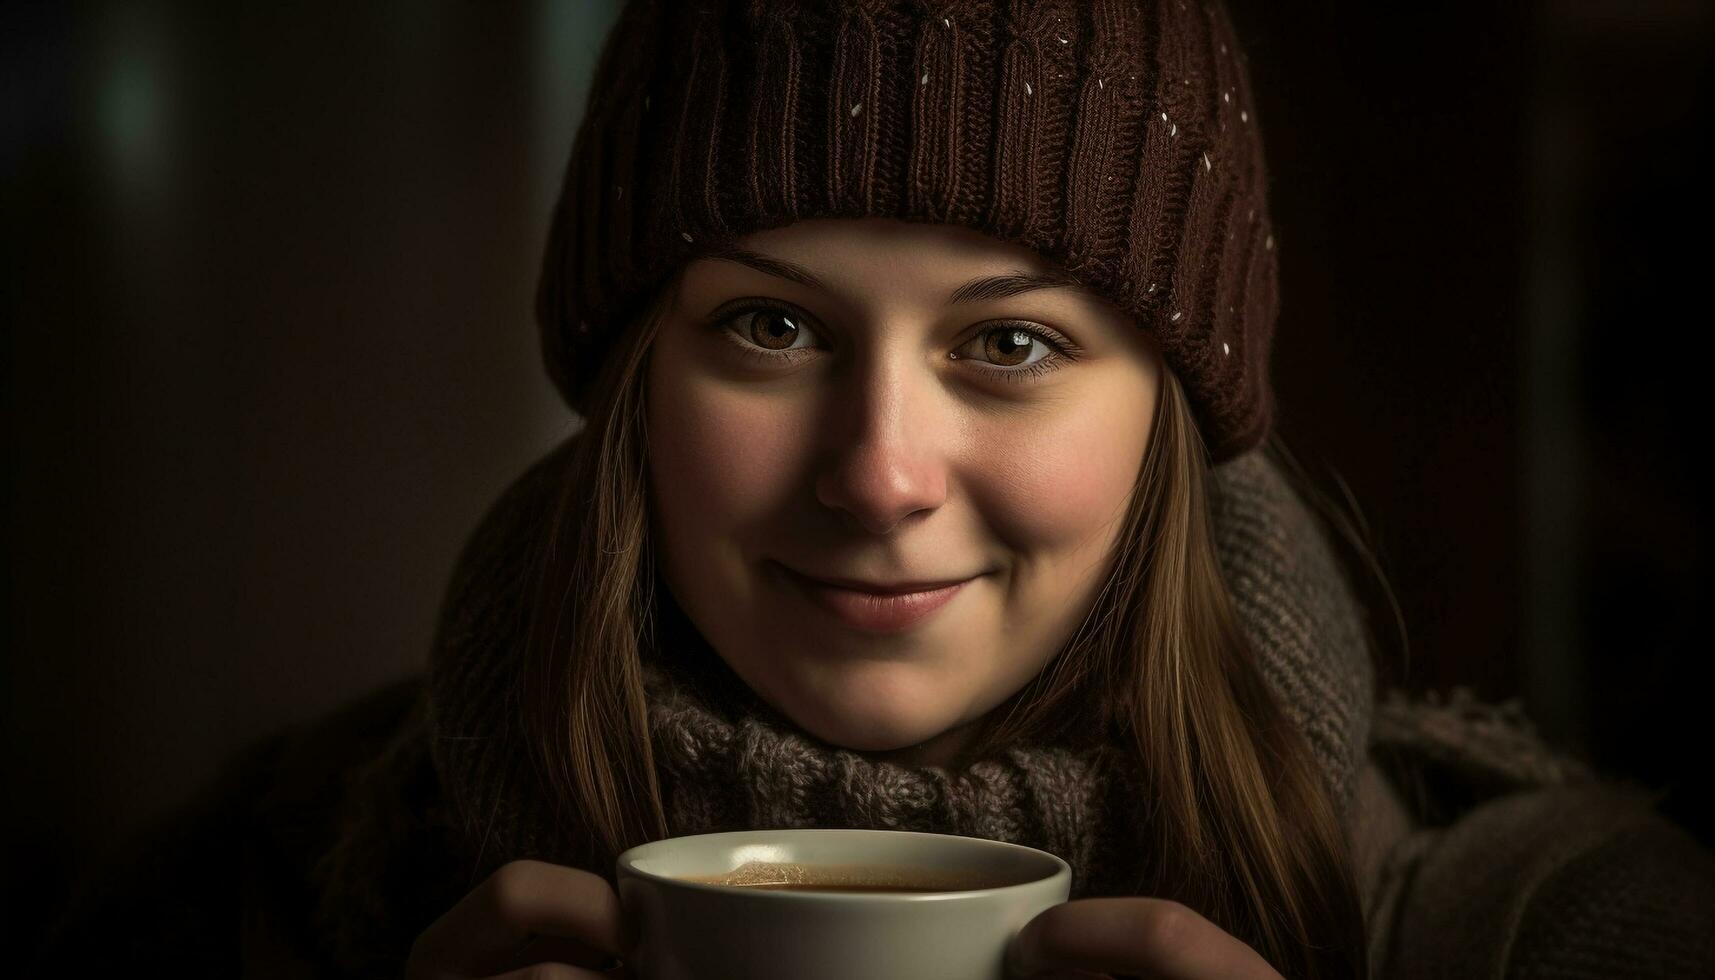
(871, 717)
(868, 736)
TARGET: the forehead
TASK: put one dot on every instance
(866, 259)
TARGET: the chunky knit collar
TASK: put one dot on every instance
(731, 762)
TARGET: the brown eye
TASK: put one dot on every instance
(1006, 351)
(772, 329)
(1007, 347)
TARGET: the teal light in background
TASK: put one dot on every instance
(133, 123)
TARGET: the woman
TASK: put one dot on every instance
(971, 304)
(878, 428)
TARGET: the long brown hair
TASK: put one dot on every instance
(1238, 824)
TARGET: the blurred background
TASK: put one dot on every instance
(270, 356)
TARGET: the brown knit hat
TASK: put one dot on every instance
(1114, 137)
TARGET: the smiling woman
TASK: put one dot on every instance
(817, 487)
(876, 418)
(925, 483)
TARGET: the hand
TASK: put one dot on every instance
(1148, 937)
(537, 920)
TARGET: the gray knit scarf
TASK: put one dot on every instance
(728, 761)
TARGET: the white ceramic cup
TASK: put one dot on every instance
(679, 929)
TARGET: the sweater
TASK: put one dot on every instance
(323, 850)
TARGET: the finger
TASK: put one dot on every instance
(1149, 936)
(488, 929)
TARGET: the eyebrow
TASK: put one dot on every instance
(980, 288)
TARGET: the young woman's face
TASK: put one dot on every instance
(874, 428)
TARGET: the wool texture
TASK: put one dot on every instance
(1116, 138)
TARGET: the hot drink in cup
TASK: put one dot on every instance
(831, 904)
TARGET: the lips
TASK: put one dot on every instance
(877, 612)
(902, 588)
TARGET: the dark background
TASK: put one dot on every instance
(270, 356)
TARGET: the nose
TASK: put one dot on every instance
(885, 459)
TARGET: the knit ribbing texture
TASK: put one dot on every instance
(1117, 139)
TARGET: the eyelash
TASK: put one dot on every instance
(1060, 349)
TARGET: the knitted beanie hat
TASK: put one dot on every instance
(1116, 138)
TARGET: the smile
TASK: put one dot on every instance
(874, 612)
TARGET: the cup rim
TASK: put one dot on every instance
(626, 863)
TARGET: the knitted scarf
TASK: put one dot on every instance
(727, 760)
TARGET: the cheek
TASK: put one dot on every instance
(1063, 483)
(718, 461)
